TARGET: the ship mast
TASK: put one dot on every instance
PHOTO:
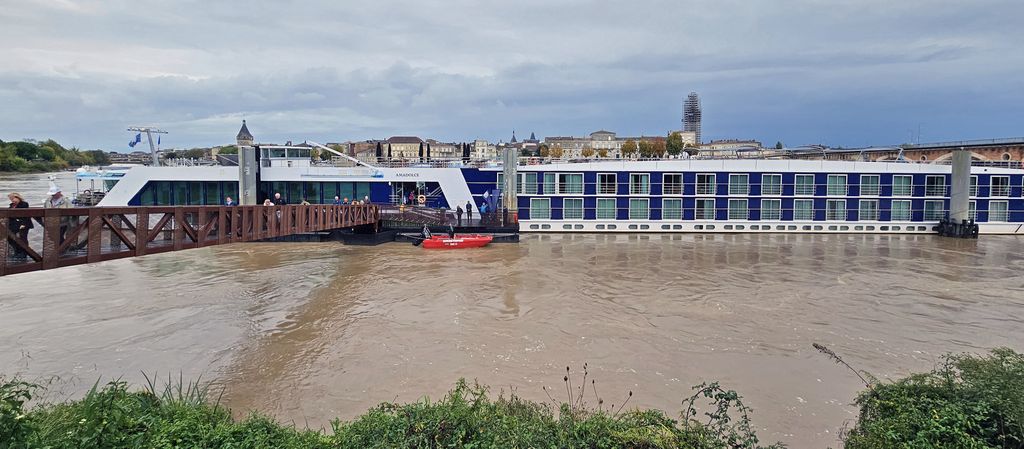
(149, 135)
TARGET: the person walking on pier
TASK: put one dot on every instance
(458, 214)
(19, 226)
(469, 212)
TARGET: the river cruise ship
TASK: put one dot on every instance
(638, 196)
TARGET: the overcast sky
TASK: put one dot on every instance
(850, 73)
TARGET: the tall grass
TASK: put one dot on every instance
(173, 413)
(967, 402)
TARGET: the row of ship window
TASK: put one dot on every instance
(739, 227)
(771, 209)
(739, 184)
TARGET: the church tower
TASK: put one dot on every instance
(244, 137)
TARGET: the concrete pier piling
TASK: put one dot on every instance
(959, 223)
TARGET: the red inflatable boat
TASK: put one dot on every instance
(459, 241)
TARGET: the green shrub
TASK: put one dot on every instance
(181, 416)
(14, 427)
(967, 402)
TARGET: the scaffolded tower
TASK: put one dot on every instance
(691, 116)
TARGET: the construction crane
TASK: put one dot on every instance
(149, 135)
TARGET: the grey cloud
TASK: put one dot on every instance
(799, 71)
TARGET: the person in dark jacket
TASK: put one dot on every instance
(19, 226)
(458, 214)
(279, 200)
(469, 212)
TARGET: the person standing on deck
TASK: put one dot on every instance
(19, 226)
(469, 212)
(458, 214)
(229, 202)
(337, 201)
(55, 199)
(278, 200)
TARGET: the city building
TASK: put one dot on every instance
(484, 150)
(403, 147)
(731, 144)
(598, 141)
(689, 138)
(444, 150)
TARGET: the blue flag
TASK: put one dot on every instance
(138, 138)
(158, 140)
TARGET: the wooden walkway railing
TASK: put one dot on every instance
(63, 237)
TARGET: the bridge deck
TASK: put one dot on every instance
(63, 237)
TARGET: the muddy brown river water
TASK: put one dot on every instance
(312, 331)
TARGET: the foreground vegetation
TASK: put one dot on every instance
(968, 402)
(32, 156)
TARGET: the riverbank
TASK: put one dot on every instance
(33, 156)
(969, 401)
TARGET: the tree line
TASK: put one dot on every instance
(36, 156)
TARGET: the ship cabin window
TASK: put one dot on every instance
(639, 209)
(606, 208)
(606, 184)
(835, 210)
(900, 210)
(972, 210)
(213, 194)
(572, 209)
(934, 210)
(739, 184)
(639, 184)
(1000, 186)
(705, 183)
(998, 211)
(804, 185)
(738, 209)
(705, 209)
(837, 185)
(771, 209)
(902, 185)
(540, 208)
(803, 210)
(771, 184)
(549, 183)
(870, 185)
(974, 185)
(525, 185)
(868, 210)
(672, 184)
(671, 209)
(935, 185)
(570, 183)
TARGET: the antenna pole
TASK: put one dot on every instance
(149, 135)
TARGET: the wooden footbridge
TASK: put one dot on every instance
(63, 237)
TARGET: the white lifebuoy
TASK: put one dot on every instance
(422, 199)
